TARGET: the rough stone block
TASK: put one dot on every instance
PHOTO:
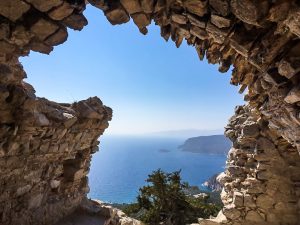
(199, 33)
(248, 11)
(217, 34)
(220, 22)
(13, 9)
(141, 20)
(45, 6)
(221, 6)
(195, 21)
(35, 201)
(289, 68)
(100, 4)
(265, 201)
(250, 130)
(238, 199)
(196, 7)
(293, 21)
(293, 96)
(147, 5)
(131, 6)
(23, 190)
(57, 38)
(61, 12)
(75, 21)
(6, 47)
(254, 216)
(4, 30)
(180, 19)
(43, 28)
(231, 212)
(117, 16)
(248, 201)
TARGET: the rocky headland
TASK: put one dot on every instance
(213, 184)
(214, 144)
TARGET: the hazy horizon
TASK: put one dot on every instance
(150, 84)
(183, 133)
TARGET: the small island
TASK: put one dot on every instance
(163, 150)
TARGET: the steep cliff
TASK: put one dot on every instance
(46, 147)
(213, 184)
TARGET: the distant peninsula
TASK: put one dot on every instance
(213, 144)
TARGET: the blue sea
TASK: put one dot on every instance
(123, 163)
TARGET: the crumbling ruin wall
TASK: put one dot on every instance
(261, 183)
(45, 152)
(46, 147)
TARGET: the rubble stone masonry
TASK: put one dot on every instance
(46, 147)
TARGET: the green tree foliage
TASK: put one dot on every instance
(163, 201)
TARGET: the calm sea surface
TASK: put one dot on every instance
(123, 163)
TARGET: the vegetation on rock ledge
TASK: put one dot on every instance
(164, 201)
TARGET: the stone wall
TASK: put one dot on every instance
(46, 147)
(45, 155)
(261, 183)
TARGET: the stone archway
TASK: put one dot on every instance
(46, 147)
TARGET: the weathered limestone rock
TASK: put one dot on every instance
(196, 7)
(43, 29)
(132, 6)
(293, 96)
(42, 175)
(222, 7)
(254, 216)
(13, 9)
(117, 16)
(249, 11)
(92, 210)
(265, 191)
(61, 12)
(220, 22)
(45, 6)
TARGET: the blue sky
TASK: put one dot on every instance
(149, 83)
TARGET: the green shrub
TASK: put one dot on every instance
(164, 201)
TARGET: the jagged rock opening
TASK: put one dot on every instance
(46, 147)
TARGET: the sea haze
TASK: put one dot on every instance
(121, 166)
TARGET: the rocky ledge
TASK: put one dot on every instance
(95, 212)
